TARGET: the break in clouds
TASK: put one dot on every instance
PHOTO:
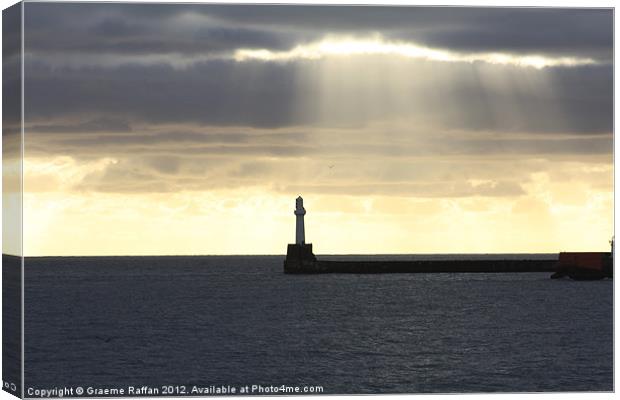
(402, 101)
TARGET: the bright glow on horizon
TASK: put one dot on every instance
(347, 46)
(549, 218)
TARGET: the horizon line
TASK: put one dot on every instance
(284, 254)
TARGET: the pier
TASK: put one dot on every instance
(300, 259)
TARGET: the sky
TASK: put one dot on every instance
(191, 129)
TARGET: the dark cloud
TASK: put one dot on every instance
(103, 124)
(11, 33)
(316, 143)
(117, 29)
(274, 95)
(11, 82)
(218, 93)
(178, 138)
(160, 28)
(582, 32)
(63, 36)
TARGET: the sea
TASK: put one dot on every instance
(239, 322)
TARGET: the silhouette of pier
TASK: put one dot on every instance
(301, 260)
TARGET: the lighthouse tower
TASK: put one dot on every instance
(300, 211)
(299, 256)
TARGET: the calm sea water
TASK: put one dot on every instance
(112, 322)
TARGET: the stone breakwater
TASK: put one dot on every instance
(301, 260)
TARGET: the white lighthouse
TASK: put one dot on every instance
(300, 211)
